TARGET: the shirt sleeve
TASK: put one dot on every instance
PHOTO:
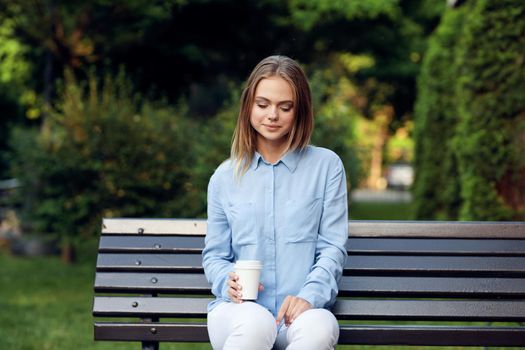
(320, 288)
(217, 256)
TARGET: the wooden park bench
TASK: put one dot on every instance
(428, 283)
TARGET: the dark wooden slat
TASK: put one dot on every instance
(374, 335)
(173, 332)
(376, 265)
(127, 282)
(148, 262)
(150, 307)
(431, 287)
(355, 309)
(435, 266)
(431, 310)
(427, 246)
(500, 230)
(378, 286)
(155, 244)
(398, 246)
(435, 335)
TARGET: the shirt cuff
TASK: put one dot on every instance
(309, 297)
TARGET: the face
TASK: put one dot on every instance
(273, 111)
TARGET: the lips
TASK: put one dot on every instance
(272, 127)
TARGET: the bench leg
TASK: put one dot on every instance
(150, 345)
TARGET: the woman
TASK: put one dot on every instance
(283, 202)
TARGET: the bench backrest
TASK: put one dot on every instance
(411, 271)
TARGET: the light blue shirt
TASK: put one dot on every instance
(291, 215)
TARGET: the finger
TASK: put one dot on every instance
(234, 285)
(235, 278)
(282, 310)
(231, 294)
(288, 313)
(295, 311)
(234, 292)
(234, 295)
(261, 287)
(300, 306)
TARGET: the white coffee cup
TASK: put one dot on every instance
(249, 272)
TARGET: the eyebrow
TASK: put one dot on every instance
(267, 100)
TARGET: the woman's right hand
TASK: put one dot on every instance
(234, 292)
(235, 289)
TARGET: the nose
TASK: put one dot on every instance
(272, 114)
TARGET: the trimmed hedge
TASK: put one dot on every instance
(479, 119)
(436, 187)
(491, 96)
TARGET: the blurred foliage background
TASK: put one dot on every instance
(125, 108)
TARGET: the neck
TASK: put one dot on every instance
(271, 151)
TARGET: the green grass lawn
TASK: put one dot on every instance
(380, 211)
(45, 304)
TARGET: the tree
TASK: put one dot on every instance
(470, 115)
(436, 187)
(15, 71)
(392, 35)
(104, 152)
(491, 96)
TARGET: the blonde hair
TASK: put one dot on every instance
(244, 137)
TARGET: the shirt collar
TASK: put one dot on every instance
(290, 160)
(255, 161)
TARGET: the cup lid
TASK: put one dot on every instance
(248, 264)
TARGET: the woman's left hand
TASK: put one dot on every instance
(291, 308)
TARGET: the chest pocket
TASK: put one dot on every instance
(243, 223)
(302, 220)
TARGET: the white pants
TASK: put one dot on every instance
(248, 325)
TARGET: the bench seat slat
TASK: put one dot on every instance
(432, 336)
(357, 228)
(145, 262)
(148, 243)
(172, 332)
(386, 246)
(150, 306)
(427, 246)
(436, 265)
(431, 287)
(154, 226)
(350, 334)
(128, 282)
(430, 310)
(443, 229)
(379, 265)
(354, 309)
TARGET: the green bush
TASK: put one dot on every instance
(436, 187)
(469, 115)
(102, 152)
(491, 96)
